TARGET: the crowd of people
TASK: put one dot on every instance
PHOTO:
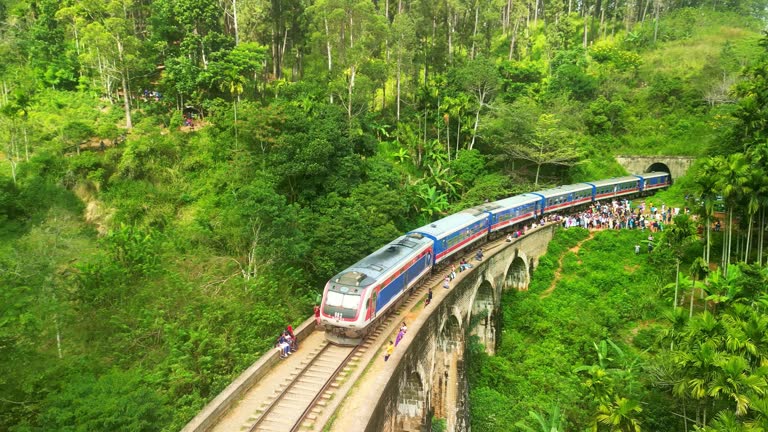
(615, 214)
(619, 214)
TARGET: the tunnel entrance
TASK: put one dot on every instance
(660, 166)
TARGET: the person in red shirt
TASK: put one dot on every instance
(317, 315)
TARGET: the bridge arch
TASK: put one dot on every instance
(518, 274)
(481, 316)
(411, 403)
(450, 334)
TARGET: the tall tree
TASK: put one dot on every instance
(111, 45)
(481, 79)
(706, 183)
(677, 237)
(731, 182)
(550, 145)
(403, 39)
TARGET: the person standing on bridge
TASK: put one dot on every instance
(317, 315)
(399, 337)
(429, 297)
(390, 350)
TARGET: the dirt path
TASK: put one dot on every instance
(559, 271)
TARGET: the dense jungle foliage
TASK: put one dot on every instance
(605, 347)
(178, 178)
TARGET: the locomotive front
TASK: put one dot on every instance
(342, 303)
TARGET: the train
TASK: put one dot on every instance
(358, 296)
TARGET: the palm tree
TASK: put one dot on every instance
(754, 190)
(722, 288)
(758, 155)
(234, 82)
(433, 201)
(677, 237)
(734, 380)
(620, 414)
(699, 270)
(444, 179)
(725, 421)
(760, 408)
(401, 155)
(747, 334)
(697, 362)
(731, 180)
(706, 182)
(674, 331)
(555, 422)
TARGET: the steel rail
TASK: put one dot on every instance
(319, 394)
(293, 382)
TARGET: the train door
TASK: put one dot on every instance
(372, 304)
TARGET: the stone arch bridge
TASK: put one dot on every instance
(426, 377)
(676, 166)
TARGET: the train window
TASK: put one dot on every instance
(350, 301)
(334, 298)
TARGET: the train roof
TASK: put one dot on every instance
(371, 268)
(561, 190)
(654, 174)
(615, 180)
(514, 201)
(450, 224)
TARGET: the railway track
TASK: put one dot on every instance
(294, 402)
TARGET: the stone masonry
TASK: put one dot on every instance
(675, 165)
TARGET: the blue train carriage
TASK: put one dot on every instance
(453, 233)
(507, 212)
(356, 296)
(615, 187)
(653, 181)
(563, 197)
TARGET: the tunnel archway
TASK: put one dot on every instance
(660, 166)
(411, 403)
(518, 276)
